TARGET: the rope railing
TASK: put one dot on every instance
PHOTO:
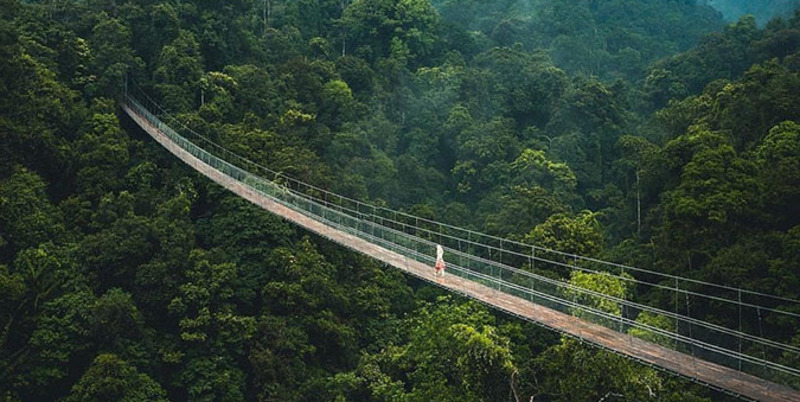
(501, 267)
(499, 253)
(470, 237)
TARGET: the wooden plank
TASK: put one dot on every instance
(711, 373)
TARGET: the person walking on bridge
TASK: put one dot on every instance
(439, 267)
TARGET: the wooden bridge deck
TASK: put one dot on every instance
(713, 374)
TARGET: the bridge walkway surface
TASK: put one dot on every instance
(474, 284)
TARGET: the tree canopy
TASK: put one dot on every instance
(649, 132)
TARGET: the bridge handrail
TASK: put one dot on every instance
(327, 206)
(471, 232)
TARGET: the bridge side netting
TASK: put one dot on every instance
(754, 342)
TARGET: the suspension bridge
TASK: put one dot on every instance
(748, 356)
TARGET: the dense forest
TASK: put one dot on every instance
(648, 132)
(763, 10)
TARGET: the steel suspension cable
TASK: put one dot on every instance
(358, 213)
(326, 205)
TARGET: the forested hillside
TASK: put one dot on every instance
(763, 10)
(646, 132)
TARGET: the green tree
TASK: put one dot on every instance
(111, 378)
(246, 233)
(579, 234)
(528, 84)
(373, 28)
(642, 158)
(520, 209)
(27, 218)
(654, 320)
(308, 288)
(38, 113)
(587, 127)
(533, 168)
(12, 290)
(572, 370)
(778, 161)
(338, 105)
(453, 352)
(214, 335)
(603, 283)
(356, 73)
(111, 55)
(122, 243)
(484, 154)
(256, 93)
(103, 153)
(716, 196)
(36, 280)
(156, 281)
(280, 356)
(216, 96)
(62, 336)
(178, 72)
(117, 322)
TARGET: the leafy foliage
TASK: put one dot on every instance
(644, 131)
(111, 378)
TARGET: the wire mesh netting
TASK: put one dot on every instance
(753, 337)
